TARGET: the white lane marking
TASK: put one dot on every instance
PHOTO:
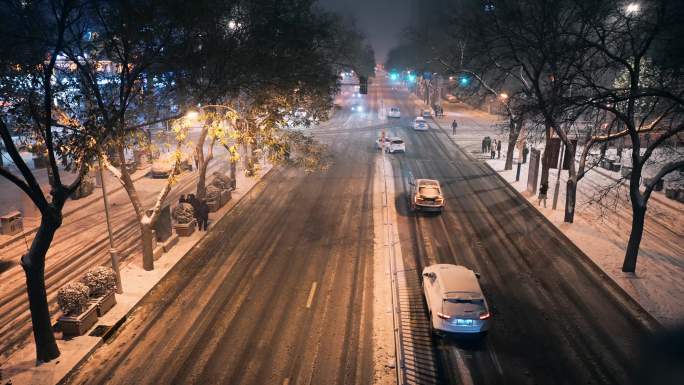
(495, 359)
(463, 370)
(311, 295)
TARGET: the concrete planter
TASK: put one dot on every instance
(225, 197)
(680, 195)
(185, 229)
(214, 206)
(671, 193)
(626, 171)
(80, 324)
(615, 167)
(104, 303)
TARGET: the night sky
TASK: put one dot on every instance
(380, 20)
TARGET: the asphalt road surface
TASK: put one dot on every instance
(280, 291)
(555, 320)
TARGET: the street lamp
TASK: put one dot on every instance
(503, 96)
(632, 8)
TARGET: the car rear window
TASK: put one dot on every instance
(429, 191)
(474, 301)
(397, 141)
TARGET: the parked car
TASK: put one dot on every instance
(455, 300)
(426, 195)
(419, 124)
(394, 112)
(451, 99)
(425, 114)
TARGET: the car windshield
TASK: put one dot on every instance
(397, 141)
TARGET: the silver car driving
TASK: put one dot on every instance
(455, 300)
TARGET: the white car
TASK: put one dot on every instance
(426, 195)
(395, 145)
(379, 142)
(451, 99)
(455, 300)
(420, 124)
(357, 108)
(394, 112)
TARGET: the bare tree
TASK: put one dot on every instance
(43, 111)
(642, 93)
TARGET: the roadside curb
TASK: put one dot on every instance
(67, 213)
(121, 320)
(620, 294)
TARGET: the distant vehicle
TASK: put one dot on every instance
(357, 108)
(395, 144)
(300, 113)
(162, 167)
(425, 114)
(451, 99)
(394, 112)
(426, 195)
(455, 300)
(419, 124)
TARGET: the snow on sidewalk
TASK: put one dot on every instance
(20, 368)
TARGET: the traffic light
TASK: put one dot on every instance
(464, 81)
(394, 76)
(411, 78)
(363, 85)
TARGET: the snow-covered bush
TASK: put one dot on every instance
(183, 213)
(72, 298)
(100, 281)
(213, 193)
(221, 181)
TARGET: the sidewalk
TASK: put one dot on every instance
(80, 244)
(20, 368)
(601, 233)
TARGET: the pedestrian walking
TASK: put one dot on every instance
(484, 145)
(492, 150)
(543, 189)
(488, 143)
(498, 149)
(453, 127)
(203, 209)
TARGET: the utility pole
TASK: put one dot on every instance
(112, 251)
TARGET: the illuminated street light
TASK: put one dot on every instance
(503, 96)
(632, 9)
(192, 114)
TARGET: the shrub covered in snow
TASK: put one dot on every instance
(213, 193)
(100, 280)
(221, 181)
(72, 298)
(183, 213)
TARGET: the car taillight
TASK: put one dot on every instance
(439, 200)
(485, 315)
(442, 315)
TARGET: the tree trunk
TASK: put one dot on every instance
(147, 245)
(233, 172)
(638, 217)
(570, 200)
(509, 154)
(201, 180)
(33, 264)
(545, 163)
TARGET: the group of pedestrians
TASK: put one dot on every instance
(491, 146)
(200, 210)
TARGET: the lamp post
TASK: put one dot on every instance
(112, 250)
